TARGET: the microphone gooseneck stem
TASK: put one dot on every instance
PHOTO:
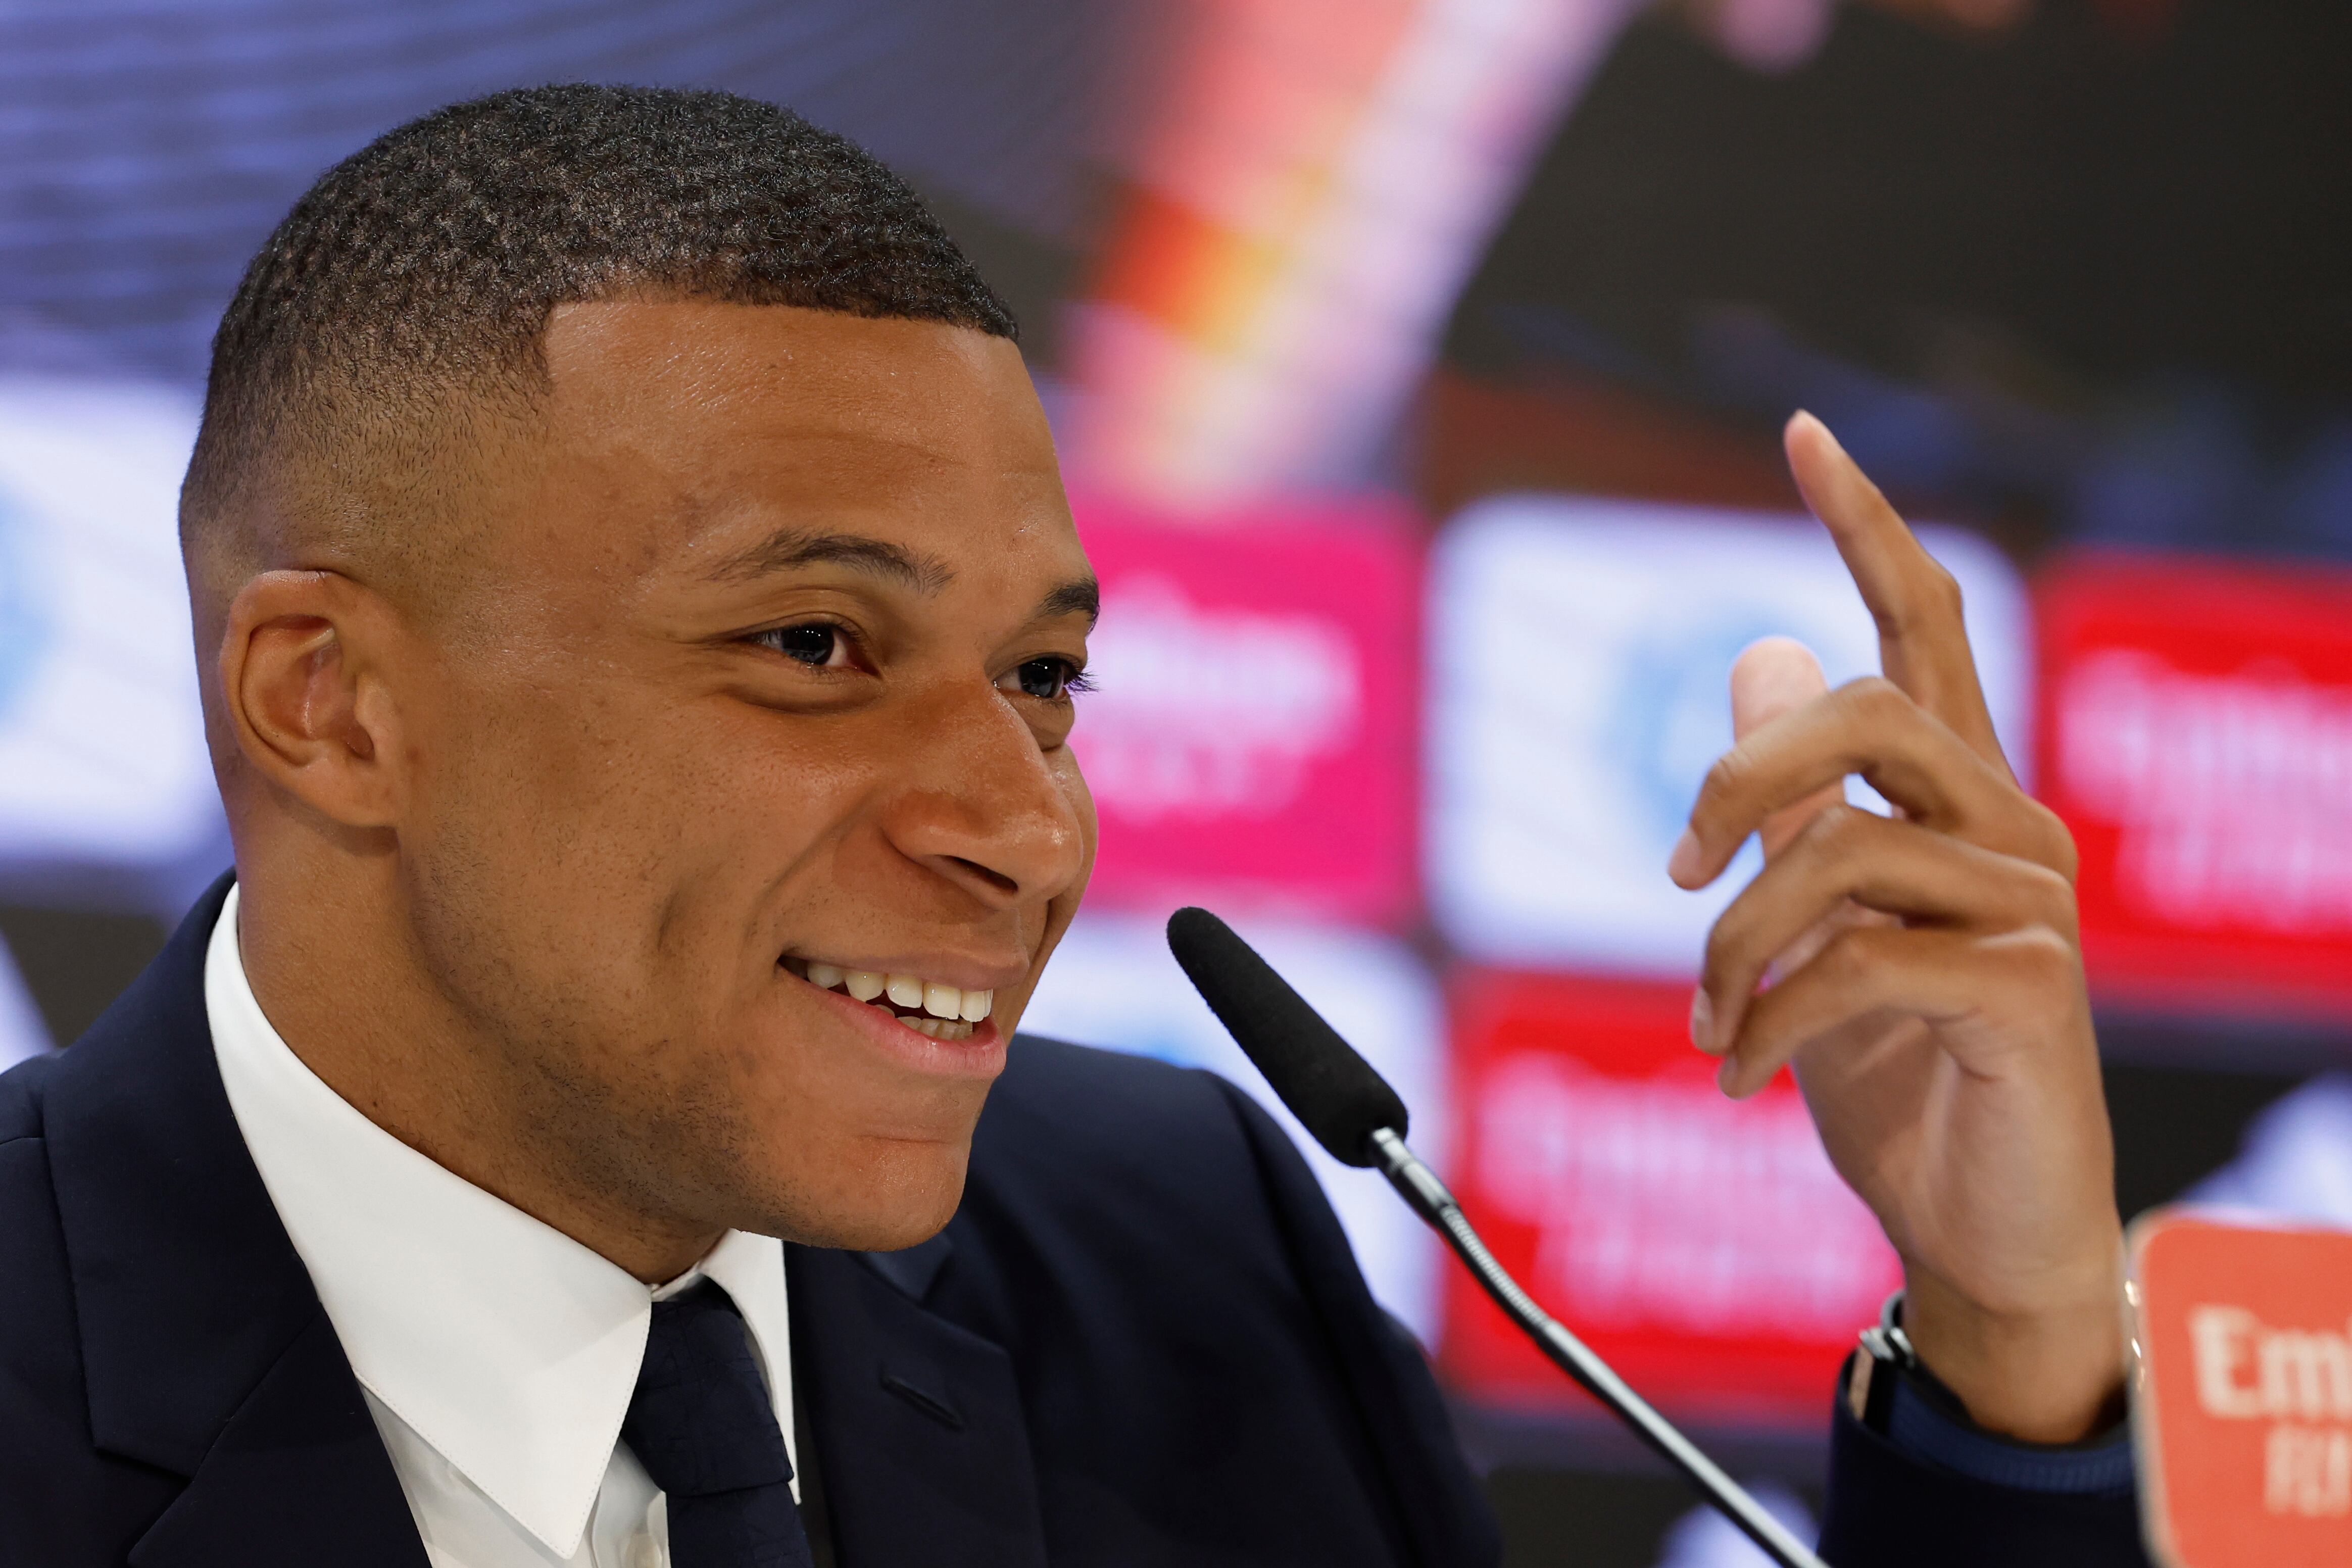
(1420, 1187)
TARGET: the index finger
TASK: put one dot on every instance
(1923, 643)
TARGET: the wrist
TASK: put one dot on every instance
(2049, 1375)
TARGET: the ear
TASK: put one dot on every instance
(301, 662)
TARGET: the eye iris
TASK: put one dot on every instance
(1043, 677)
(809, 644)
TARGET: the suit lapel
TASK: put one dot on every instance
(921, 1447)
(298, 1477)
(204, 1345)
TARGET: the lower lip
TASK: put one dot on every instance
(980, 1054)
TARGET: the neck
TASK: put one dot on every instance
(347, 991)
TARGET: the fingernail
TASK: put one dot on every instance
(1683, 864)
(1701, 1021)
(1725, 1073)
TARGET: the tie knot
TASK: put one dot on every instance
(701, 1421)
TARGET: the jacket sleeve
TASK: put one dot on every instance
(1931, 1493)
(1443, 1507)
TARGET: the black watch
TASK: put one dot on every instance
(1888, 1359)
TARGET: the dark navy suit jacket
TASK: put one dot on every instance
(1143, 1342)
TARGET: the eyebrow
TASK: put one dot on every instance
(789, 548)
(1078, 596)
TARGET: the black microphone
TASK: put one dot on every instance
(1350, 1110)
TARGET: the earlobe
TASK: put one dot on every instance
(301, 697)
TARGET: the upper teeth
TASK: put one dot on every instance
(935, 997)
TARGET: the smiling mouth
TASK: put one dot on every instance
(928, 1008)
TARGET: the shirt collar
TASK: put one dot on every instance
(510, 1347)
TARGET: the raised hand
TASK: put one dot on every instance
(1923, 976)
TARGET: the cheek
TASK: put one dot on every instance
(1074, 789)
(625, 799)
(561, 865)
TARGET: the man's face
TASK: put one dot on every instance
(763, 682)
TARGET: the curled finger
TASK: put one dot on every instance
(1866, 727)
(1945, 978)
(1849, 859)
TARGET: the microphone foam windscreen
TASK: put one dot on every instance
(1334, 1092)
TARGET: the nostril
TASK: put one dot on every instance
(996, 880)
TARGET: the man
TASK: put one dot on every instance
(638, 616)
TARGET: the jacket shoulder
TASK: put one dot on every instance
(1143, 1238)
(23, 1089)
(1110, 1105)
(60, 1499)
(1083, 1142)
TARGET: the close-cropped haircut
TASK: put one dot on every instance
(409, 289)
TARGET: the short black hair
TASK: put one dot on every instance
(423, 268)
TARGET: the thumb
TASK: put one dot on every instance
(1773, 676)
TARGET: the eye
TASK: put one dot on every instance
(1050, 678)
(819, 644)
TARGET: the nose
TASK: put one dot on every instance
(987, 810)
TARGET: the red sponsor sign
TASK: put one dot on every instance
(2244, 1414)
(2196, 731)
(1251, 739)
(1704, 1246)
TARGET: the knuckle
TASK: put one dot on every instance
(1836, 837)
(1942, 589)
(1872, 699)
(2056, 843)
(2046, 954)
(1872, 712)
(1854, 958)
(1728, 776)
(1840, 824)
(2050, 889)
(1929, 595)
(1723, 944)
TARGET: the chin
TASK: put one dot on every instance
(896, 1195)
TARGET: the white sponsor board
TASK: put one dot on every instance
(21, 1032)
(1578, 691)
(1113, 983)
(102, 759)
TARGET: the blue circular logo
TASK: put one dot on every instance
(1673, 719)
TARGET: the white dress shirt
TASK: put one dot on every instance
(496, 1354)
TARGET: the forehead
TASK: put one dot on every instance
(695, 425)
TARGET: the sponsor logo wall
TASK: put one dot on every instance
(1390, 769)
(1577, 694)
(1250, 747)
(2197, 718)
(105, 783)
(1704, 1246)
(1251, 738)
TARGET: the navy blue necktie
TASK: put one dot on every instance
(702, 1425)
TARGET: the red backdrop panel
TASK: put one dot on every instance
(1703, 1245)
(2196, 731)
(1252, 738)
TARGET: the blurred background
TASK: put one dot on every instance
(1417, 367)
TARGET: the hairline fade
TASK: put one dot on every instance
(396, 317)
